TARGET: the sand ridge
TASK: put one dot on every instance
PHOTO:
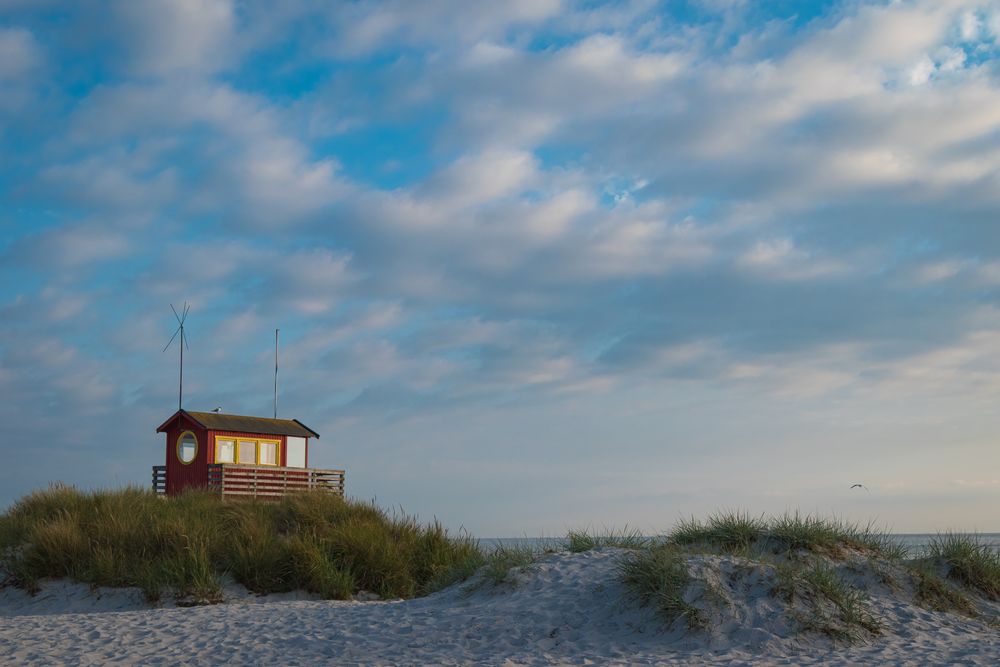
(566, 609)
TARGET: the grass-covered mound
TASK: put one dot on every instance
(187, 544)
(820, 575)
(966, 559)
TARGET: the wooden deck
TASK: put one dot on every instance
(234, 479)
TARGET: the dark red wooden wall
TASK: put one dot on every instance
(194, 474)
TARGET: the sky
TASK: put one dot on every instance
(538, 265)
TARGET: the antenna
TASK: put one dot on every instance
(276, 373)
(181, 344)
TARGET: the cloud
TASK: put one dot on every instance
(72, 246)
(312, 281)
(115, 181)
(253, 170)
(164, 37)
(365, 28)
(479, 179)
(20, 54)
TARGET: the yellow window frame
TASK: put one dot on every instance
(277, 451)
(231, 439)
(257, 443)
(177, 448)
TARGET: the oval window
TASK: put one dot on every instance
(187, 447)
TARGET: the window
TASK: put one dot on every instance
(295, 452)
(268, 453)
(187, 447)
(225, 451)
(248, 451)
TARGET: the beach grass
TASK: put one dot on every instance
(936, 594)
(189, 544)
(658, 576)
(742, 533)
(822, 583)
(969, 561)
(833, 606)
(727, 531)
(504, 558)
(578, 541)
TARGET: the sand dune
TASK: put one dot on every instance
(567, 609)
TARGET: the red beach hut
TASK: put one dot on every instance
(236, 455)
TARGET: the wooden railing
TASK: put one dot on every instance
(160, 479)
(235, 479)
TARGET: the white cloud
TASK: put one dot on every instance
(114, 181)
(254, 169)
(920, 73)
(969, 26)
(370, 27)
(936, 271)
(20, 54)
(780, 259)
(312, 281)
(278, 183)
(605, 59)
(76, 245)
(478, 179)
(951, 59)
(993, 25)
(168, 36)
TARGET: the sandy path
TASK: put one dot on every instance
(568, 610)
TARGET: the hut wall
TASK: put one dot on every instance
(182, 476)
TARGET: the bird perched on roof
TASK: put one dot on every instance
(217, 410)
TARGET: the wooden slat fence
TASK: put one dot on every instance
(160, 479)
(234, 479)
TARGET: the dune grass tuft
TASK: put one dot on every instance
(969, 561)
(936, 594)
(848, 600)
(187, 544)
(835, 608)
(727, 531)
(740, 532)
(627, 538)
(505, 558)
(658, 576)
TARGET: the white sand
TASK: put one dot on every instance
(566, 609)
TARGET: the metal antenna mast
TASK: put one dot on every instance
(181, 344)
(276, 373)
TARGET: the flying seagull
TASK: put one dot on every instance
(860, 486)
(217, 410)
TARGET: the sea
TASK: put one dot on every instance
(916, 544)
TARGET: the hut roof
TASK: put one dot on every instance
(223, 422)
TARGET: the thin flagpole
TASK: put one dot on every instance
(276, 373)
(180, 386)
